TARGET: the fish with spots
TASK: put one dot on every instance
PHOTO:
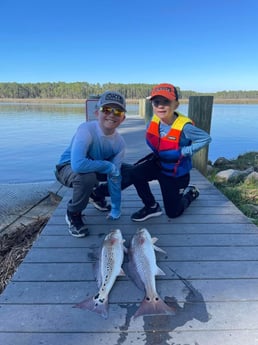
(109, 268)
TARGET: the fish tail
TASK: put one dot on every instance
(96, 305)
(154, 307)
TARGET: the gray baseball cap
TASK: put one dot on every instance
(112, 97)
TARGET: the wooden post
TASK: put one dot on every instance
(141, 107)
(90, 107)
(145, 109)
(200, 111)
(148, 110)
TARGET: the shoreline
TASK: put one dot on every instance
(25, 203)
(130, 101)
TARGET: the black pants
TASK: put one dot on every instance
(172, 188)
(126, 169)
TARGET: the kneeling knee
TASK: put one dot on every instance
(174, 213)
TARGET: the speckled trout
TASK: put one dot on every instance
(143, 269)
(110, 266)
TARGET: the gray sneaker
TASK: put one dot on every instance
(76, 227)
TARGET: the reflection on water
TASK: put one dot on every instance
(33, 136)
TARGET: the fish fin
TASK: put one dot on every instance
(95, 268)
(158, 249)
(154, 239)
(94, 305)
(154, 307)
(121, 273)
(159, 272)
(125, 250)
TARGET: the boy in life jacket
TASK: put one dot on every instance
(174, 139)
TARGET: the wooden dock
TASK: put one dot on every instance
(213, 248)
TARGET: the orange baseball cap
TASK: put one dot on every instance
(166, 90)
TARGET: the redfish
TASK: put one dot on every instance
(143, 269)
(110, 267)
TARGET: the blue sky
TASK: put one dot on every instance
(198, 45)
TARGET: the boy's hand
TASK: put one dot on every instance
(114, 214)
(115, 172)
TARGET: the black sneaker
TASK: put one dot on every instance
(76, 226)
(99, 204)
(146, 212)
(192, 191)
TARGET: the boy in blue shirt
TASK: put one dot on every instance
(95, 154)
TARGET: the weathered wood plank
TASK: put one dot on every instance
(187, 218)
(131, 203)
(206, 253)
(70, 292)
(163, 239)
(231, 228)
(63, 318)
(130, 207)
(122, 336)
(33, 272)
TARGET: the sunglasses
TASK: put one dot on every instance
(164, 102)
(109, 110)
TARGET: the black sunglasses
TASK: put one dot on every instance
(164, 102)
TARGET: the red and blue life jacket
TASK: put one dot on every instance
(168, 148)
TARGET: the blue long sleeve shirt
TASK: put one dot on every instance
(91, 150)
(198, 138)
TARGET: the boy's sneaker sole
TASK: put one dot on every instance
(74, 232)
(193, 190)
(146, 213)
(99, 205)
(156, 214)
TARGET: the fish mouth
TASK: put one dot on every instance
(116, 232)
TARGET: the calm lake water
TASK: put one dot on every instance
(33, 136)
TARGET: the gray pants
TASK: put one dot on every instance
(82, 185)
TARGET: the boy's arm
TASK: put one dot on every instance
(80, 163)
(114, 183)
(198, 137)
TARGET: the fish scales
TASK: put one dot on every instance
(110, 266)
(143, 268)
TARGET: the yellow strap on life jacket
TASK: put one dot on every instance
(180, 121)
(178, 124)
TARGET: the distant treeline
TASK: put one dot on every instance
(82, 90)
